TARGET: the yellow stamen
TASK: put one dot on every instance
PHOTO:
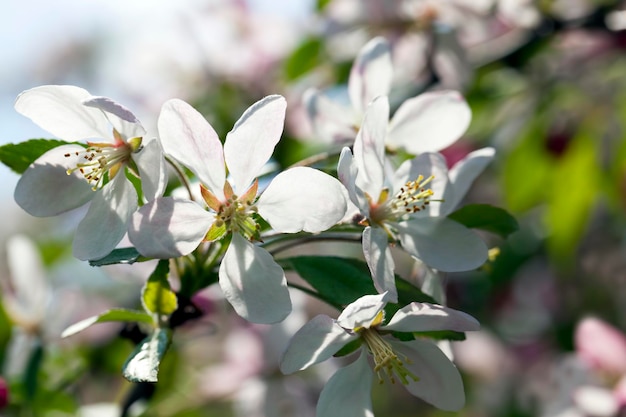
(385, 359)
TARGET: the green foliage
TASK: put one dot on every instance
(304, 58)
(19, 156)
(119, 256)
(157, 297)
(143, 363)
(486, 217)
(121, 315)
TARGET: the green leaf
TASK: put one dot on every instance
(120, 256)
(486, 217)
(108, 316)
(143, 363)
(304, 58)
(19, 156)
(349, 347)
(442, 335)
(157, 296)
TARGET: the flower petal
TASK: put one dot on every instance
(463, 174)
(188, 138)
(254, 283)
(440, 383)
(371, 73)
(380, 262)
(442, 244)
(302, 198)
(169, 227)
(316, 341)
(369, 148)
(251, 142)
(362, 312)
(45, 189)
(152, 170)
(59, 109)
(331, 122)
(348, 393)
(122, 119)
(429, 122)
(347, 173)
(424, 317)
(106, 221)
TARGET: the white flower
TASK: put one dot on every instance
(70, 175)
(295, 200)
(419, 365)
(428, 122)
(397, 205)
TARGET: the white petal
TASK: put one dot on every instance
(348, 393)
(440, 383)
(59, 109)
(331, 121)
(122, 119)
(316, 341)
(442, 244)
(464, 172)
(371, 73)
(362, 312)
(254, 283)
(347, 173)
(106, 221)
(429, 122)
(188, 138)
(369, 147)
(423, 317)
(169, 227)
(596, 401)
(380, 262)
(302, 198)
(152, 169)
(251, 142)
(45, 189)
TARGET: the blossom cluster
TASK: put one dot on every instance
(232, 211)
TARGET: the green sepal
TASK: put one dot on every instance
(216, 232)
(108, 316)
(143, 363)
(156, 296)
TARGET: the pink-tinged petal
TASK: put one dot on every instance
(302, 198)
(429, 122)
(463, 174)
(369, 148)
(601, 346)
(316, 341)
(442, 244)
(595, 401)
(45, 189)
(440, 383)
(380, 262)
(371, 73)
(427, 164)
(59, 109)
(619, 392)
(424, 317)
(254, 283)
(251, 142)
(331, 122)
(106, 221)
(348, 393)
(347, 173)
(188, 138)
(169, 227)
(152, 170)
(362, 312)
(122, 119)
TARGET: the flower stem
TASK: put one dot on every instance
(181, 175)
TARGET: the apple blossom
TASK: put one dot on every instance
(396, 205)
(299, 199)
(69, 176)
(439, 118)
(419, 365)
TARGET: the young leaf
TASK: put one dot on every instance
(305, 57)
(486, 217)
(18, 156)
(108, 316)
(119, 256)
(157, 296)
(143, 363)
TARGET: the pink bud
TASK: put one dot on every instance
(619, 392)
(4, 393)
(601, 346)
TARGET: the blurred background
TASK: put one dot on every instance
(546, 82)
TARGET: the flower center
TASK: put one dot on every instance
(236, 214)
(411, 198)
(99, 159)
(385, 359)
